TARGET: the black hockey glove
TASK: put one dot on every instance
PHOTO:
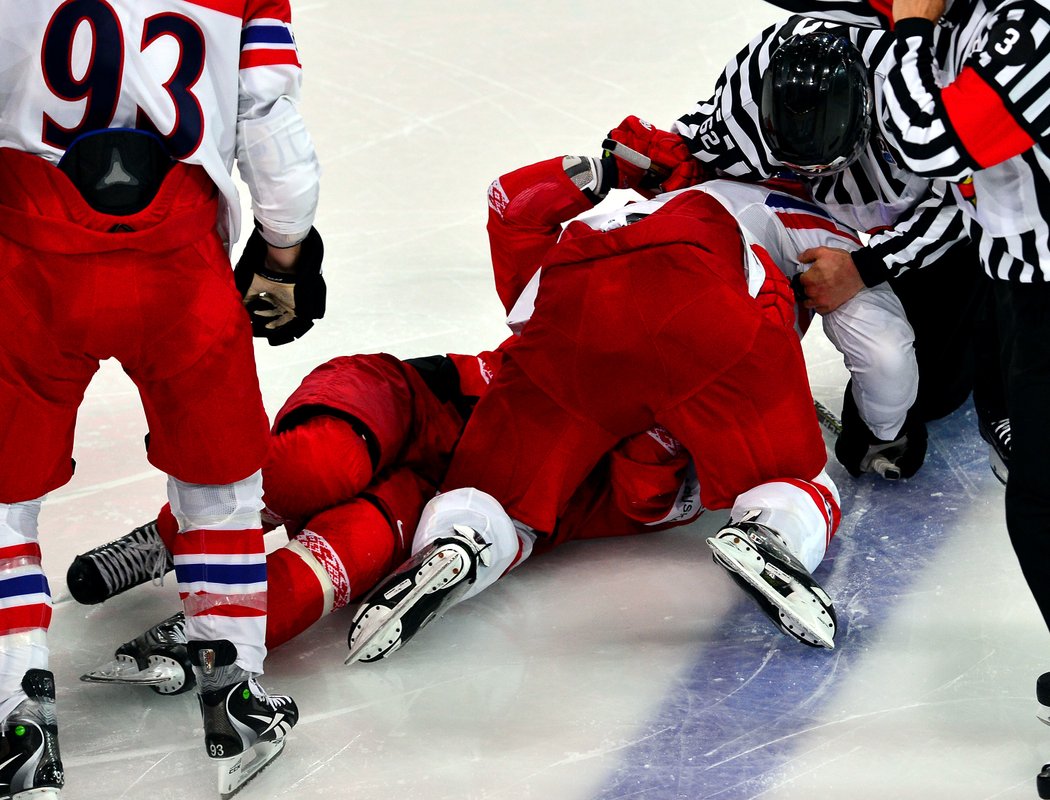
(282, 306)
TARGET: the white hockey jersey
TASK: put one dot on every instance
(218, 80)
(776, 226)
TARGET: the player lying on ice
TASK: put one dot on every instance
(687, 366)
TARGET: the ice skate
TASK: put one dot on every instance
(30, 765)
(157, 658)
(117, 566)
(997, 434)
(758, 561)
(244, 727)
(417, 592)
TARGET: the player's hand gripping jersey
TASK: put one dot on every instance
(217, 79)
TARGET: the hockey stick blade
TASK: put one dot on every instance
(827, 418)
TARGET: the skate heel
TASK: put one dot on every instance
(236, 771)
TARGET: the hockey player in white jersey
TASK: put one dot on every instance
(119, 124)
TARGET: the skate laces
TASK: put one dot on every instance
(274, 701)
(124, 562)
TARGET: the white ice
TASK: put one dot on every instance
(609, 669)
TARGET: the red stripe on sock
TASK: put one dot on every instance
(25, 618)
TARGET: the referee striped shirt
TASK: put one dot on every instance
(912, 221)
(986, 128)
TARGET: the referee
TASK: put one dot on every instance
(911, 222)
(986, 131)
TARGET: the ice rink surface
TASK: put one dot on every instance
(627, 668)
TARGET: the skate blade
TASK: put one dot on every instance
(1044, 720)
(389, 627)
(42, 793)
(236, 772)
(127, 672)
(730, 557)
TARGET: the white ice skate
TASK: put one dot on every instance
(415, 594)
(758, 561)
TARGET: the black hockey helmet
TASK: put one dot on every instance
(816, 103)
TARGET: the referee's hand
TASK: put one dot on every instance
(927, 9)
(831, 280)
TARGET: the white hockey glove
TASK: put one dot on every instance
(282, 306)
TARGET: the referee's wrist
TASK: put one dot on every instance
(914, 26)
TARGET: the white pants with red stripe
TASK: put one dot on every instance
(805, 513)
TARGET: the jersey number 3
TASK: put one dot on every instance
(100, 82)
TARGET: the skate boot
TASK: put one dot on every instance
(156, 658)
(1042, 693)
(761, 564)
(119, 565)
(417, 592)
(997, 434)
(30, 765)
(244, 727)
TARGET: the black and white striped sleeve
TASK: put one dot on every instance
(997, 106)
(723, 130)
(919, 237)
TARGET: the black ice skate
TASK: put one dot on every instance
(117, 566)
(997, 434)
(758, 561)
(30, 765)
(156, 658)
(244, 727)
(416, 593)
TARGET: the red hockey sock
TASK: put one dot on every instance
(339, 555)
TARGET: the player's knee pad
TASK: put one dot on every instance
(484, 514)
(315, 465)
(230, 506)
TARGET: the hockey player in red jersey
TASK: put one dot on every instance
(672, 313)
(359, 448)
(118, 211)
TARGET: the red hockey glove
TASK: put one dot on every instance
(671, 165)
